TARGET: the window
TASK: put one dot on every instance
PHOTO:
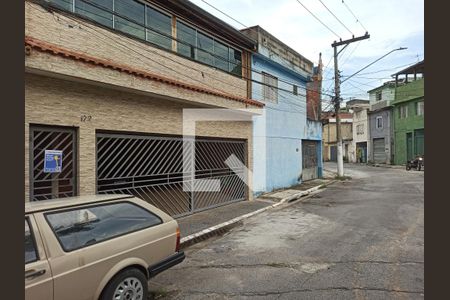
(187, 37)
(78, 228)
(378, 96)
(221, 56)
(270, 88)
(360, 129)
(235, 62)
(150, 24)
(132, 10)
(379, 122)
(30, 247)
(403, 111)
(160, 23)
(295, 90)
(97, 11)
(64, 4)
(420, 108)
(205, 49)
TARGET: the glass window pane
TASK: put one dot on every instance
(85, 226)
(30, 249)
(132, 10)
(161, 23)
(64, 4)
(93, 12)
(186, 36)
(221, 53)
(205, 49)
(235, 62)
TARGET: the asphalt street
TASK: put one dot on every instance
(356, 239)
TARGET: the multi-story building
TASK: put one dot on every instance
(381, 140)
(286, 143)
(408, 108)
(359, 109)
(106, 84)
(329, 139)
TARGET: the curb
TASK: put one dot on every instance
(228, 225)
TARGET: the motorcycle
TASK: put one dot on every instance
(416, 163)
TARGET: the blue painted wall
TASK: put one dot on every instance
(277, 159)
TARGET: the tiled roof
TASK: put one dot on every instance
(57, 50)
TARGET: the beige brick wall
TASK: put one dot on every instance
(51, 101)
(95, 41)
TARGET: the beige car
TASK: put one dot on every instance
(96, 247)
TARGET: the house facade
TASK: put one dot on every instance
(359, 109)
(329, 139)
(106, 87)
(381, 123)
(408, 112)
(279, 79)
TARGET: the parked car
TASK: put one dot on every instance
(96, 247)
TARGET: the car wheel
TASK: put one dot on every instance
(130, 284)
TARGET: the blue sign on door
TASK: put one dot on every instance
(53, 161)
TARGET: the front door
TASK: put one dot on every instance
(310, 168)
(409, 146)
(38, 277)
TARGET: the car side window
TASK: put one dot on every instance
(88, 225)
(30, 246)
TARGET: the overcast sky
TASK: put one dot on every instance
(391, 24)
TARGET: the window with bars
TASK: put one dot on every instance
(270, 88)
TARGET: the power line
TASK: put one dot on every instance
(302, 108)
(357, 20)
(224, 13)
(281, 79)
(318, 19)
(290, 101)
(335, 17)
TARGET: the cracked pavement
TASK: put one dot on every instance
(357, 239)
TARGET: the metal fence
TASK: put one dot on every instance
(151, 167)
(52, 185)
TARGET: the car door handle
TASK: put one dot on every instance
(34, 273)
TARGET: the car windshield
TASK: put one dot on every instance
(88, 225)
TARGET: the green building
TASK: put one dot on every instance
(408, 113)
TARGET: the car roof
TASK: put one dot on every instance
(34, 206)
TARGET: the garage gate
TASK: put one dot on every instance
(379, 153)
(151, 168)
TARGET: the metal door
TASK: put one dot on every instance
(310, 168)
(419, 145)
(52, 185)
(379, 154)
(333, 153)
(151, 168)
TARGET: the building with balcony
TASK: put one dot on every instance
(380, 121)
(106, 86)
(408, 113)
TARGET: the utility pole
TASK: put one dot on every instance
(337, 98)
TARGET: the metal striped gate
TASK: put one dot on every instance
(151, 168)
(44, 185)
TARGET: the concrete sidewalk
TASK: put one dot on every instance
(202, 225)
